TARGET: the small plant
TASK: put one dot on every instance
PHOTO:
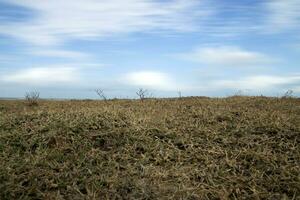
(179, 94)
(101, 94)
(32, 98)
(2, 108)
(142, 94)
(239, 93)
(288, 94)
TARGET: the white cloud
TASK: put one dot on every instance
(42, 76)
(55, 21)
(282, 14)
(226, 56)
(297, 88)
(150, 79)
(259, 82)
(252, 84)
(59, 53)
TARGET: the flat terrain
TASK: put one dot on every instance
(189, 148)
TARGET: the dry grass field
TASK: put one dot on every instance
(188, 148)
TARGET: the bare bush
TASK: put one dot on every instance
(101, 94)
(288, 94)
(179, 94)
(32, 98)
(239, 93)
(142, 94)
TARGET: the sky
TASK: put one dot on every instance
(67, 49)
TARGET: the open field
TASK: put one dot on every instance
(189, 148)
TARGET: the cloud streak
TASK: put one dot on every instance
(42, 76)
(225, 56)
(54, 22)
(57, 21)
(151, 79)
(260, 82)
(282, 14)
(58, 53)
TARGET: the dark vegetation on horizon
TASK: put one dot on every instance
(181, 148)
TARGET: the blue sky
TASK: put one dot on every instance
(67, 49)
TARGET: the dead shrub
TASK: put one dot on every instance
(32, 98)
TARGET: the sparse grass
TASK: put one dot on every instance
(192, 148)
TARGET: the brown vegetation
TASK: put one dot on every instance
(192, 148)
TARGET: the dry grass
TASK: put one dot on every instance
(189, 148)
